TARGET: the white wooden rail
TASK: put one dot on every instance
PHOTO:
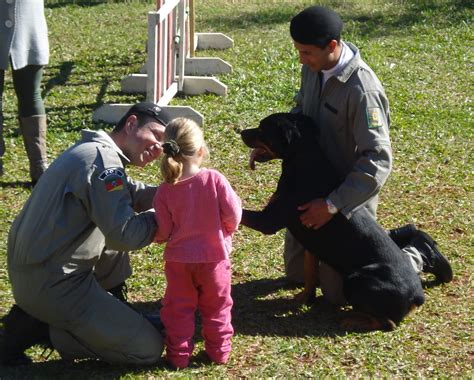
(171, 66)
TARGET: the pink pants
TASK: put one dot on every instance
(203, 286)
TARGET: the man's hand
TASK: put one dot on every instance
(315, 213)
(258, 155)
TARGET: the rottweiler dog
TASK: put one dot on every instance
(379, 281)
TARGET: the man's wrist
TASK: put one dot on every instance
(332, 209)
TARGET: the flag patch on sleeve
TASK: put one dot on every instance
(113, 179)
(114, 184)
(374, 117)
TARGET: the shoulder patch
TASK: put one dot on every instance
(112, 178)
(374, 117)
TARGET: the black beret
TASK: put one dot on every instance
(316, 25)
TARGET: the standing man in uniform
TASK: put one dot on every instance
(67, 249)
(346, 100)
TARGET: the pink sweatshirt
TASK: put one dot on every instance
(197, 218)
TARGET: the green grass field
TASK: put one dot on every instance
(422, 52)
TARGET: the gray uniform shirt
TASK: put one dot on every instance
(23, 34)
(352, 112)
(82, 203)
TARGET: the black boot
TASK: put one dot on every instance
(120, 292)
(20, 332)
(433, 261)
(403, 235)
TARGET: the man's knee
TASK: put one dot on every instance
(151, 348)
(146, 347)
(293, 256)
(332, 285)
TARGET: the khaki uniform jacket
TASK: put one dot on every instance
(83, 202)
(353, 115)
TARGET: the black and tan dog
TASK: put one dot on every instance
(378, 279)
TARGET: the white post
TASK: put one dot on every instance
(182, 43)
(151, 66)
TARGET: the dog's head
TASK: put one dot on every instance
(277, 133)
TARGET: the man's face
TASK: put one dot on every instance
(314, 57)
(143, 143)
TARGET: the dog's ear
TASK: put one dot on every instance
(290, 128)
(305, 123)
(280, 131)
(285, 133)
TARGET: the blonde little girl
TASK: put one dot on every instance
(197, 213)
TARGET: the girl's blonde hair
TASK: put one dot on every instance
(184, 138)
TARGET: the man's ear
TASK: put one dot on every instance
(131, 124)
(332, 45)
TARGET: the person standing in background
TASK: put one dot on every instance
(24, 45)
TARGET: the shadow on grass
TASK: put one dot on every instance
(83, 369)
(372, 25)
(264, 308)
(249, 19)
(65, 118)
(15, 184)
(80, 3)
(377, 25)
(259, 310)
(65, 70)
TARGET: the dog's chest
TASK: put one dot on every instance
(306, 176)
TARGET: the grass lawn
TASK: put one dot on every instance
(422, 52)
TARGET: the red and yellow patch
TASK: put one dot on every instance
(114, 184)
(113, 179)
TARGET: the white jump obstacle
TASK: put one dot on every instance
(170, 66)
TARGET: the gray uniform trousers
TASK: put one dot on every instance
(118, 335)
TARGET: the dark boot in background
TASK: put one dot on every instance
(433, 260)
(33, 129)
(403, 235)
(120, 292)
(20, 332)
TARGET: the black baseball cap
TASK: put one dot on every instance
(316, 25)
(148, 109)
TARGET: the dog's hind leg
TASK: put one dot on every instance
(311, 280)
(362, 322)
